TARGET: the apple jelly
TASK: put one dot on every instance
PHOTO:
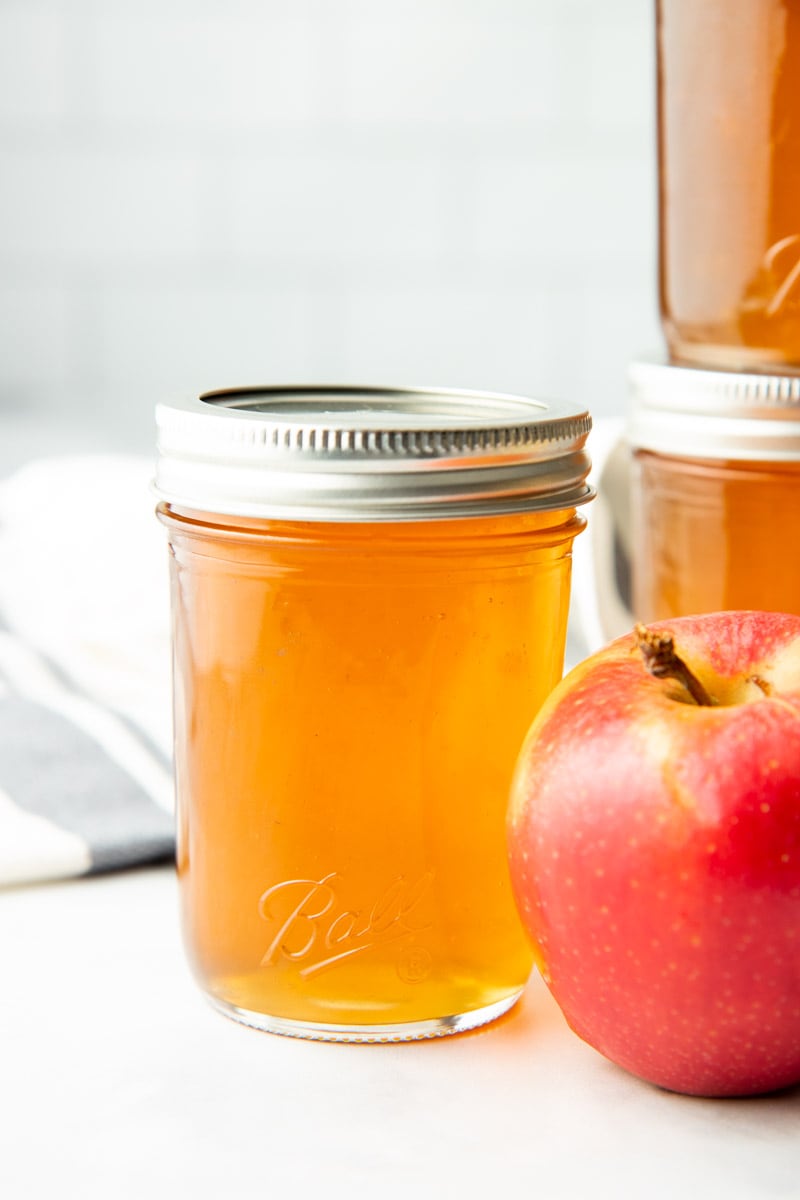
(715, 500)
(729, 167)
(370, 594)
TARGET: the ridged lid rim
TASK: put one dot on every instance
(341, 452)
(698, 413)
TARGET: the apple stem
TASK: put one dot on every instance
(762, 684)
(662, 661)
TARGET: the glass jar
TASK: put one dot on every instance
(370, 593)
(715, 489)
(729, 164)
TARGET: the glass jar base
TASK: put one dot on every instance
(731, 356)
(402, 1031)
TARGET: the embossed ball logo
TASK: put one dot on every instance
(312, 928)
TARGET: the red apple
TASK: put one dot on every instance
(655, 852)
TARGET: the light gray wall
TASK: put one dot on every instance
(196, 194)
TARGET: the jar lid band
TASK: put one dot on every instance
(696, 413)
(369, 454)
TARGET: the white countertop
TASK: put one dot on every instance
(118, 1080)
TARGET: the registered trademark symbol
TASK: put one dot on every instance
(414, 965)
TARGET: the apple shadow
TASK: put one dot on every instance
(784, 1100)
(788, 1096)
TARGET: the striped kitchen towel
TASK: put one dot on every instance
(85, 774)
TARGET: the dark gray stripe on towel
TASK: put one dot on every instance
(50, 767)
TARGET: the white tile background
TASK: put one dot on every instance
(196, 193)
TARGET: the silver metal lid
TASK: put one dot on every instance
(694, 413)
(337, 453)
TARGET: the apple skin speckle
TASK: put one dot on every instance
(675, 948)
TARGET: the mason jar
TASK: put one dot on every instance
(729, 165)
(370, 592)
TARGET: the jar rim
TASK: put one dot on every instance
(347, 453)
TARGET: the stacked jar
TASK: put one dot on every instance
(715, 428)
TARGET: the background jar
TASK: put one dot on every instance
(729, 164)
(370, 594)
(715, 491)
